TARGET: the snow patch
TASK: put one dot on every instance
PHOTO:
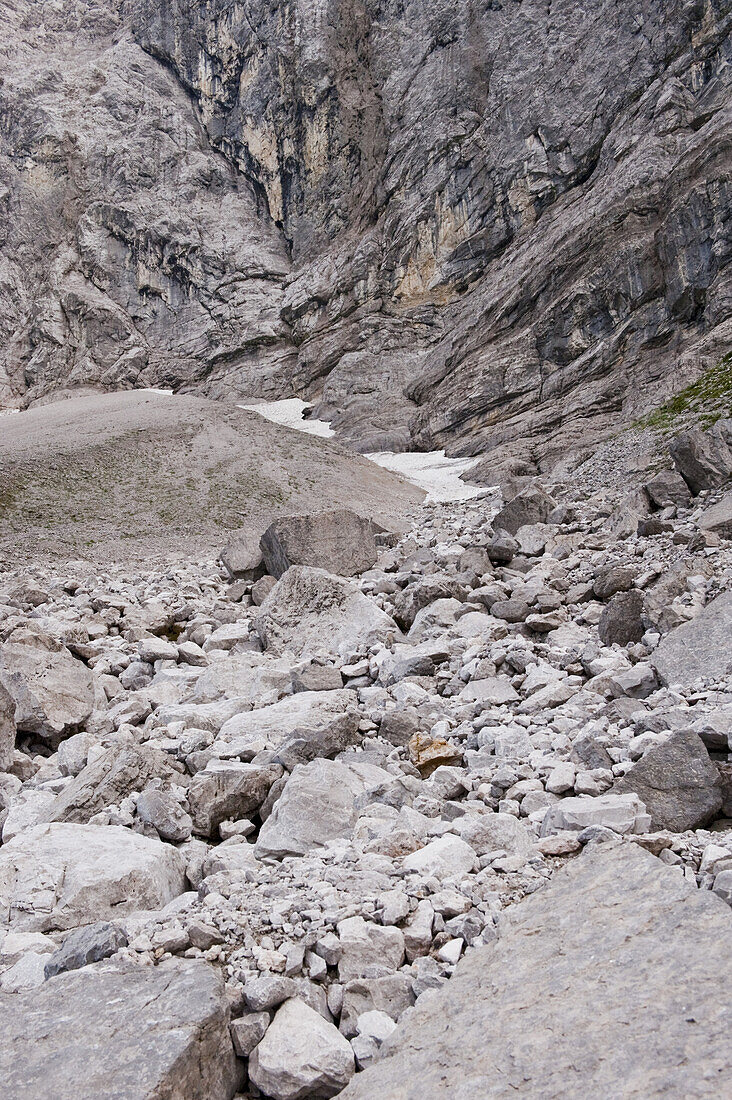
(151, 389)
(289, 413)
(432, 471)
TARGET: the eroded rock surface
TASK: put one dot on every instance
(71, 1038)
(505, 1025)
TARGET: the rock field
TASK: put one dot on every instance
(453, 821)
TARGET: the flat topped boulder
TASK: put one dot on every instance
(612, 981)
(339, 541)
(699, 649)
(122, 1030)
(63, 875)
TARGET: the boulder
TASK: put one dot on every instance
(621, 621)
(247, 1031)
(85, 945)
(391, 994)
(368, 950)
(488, 832)
(242, 556)
(667, 489)
(312, 613)
(501, 548)
(317, 805)
(613, 578)
(704, 459)
(698, 649)
(531, 505)
(60, 875)
(623, 813)
(252, 679)
(718, 518)
(166, 815)
(315, 677)
(410, 601)
(122, 1030)
(649, 948)
(53, 691)
(491, 691)
(322, 723)
(677, 782)
(445, 858)
(340, 542)
(7, 728)
(228, 790)
(301, 1055)
(262, 588)
(124, 768)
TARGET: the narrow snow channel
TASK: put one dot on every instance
(432, 471)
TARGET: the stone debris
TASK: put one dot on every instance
(334, 799)
(509, 1018)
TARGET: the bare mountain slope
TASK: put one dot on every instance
(139, 475)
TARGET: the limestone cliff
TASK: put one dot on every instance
(499, 226)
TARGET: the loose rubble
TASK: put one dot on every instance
(333, 794)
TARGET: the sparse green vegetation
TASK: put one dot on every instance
(704, 401)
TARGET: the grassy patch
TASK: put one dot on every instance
(705, 400)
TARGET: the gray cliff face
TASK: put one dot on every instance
(133, 253)
(497, 227)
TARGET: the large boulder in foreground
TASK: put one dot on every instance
(302, 1055)
(53, 691)
(61, 875)
(677, 782)
(626, 999)
(312, 613)
(340, 542)
(699, 649)
(121, 1030)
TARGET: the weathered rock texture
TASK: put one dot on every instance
(506, 1025)
(73, 1038)
(459, 224)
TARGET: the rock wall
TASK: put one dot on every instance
(132, 253)
(498, 227)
